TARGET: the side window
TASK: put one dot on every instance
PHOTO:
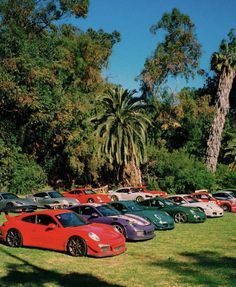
(45, 219)
(41, 194)
(87, 210)
(157, 203)
(118, 206)
(29, 219)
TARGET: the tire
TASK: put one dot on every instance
(90, 200)
(225, 207)
(180, 217)
(76, 246)
(119, 228)
(9, 205)
(139, 198)
(114, 198)
(14, 238)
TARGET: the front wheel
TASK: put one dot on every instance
(225, 207)
(9, 205)
(76, 246)
(180, 217)
(14, 238)
(90, 200)
(119, 228)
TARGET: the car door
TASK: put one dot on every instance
(45, 232)
(125, 193)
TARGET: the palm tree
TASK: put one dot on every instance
(122, 125)
(223, 62)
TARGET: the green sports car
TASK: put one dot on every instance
(160, 219)
(181, 214)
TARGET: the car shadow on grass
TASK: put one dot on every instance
(204, 268)
(27, 274)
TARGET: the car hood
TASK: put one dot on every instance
(23, 201)
(135, 219)
(104, 231)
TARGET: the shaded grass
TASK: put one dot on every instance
(190, 255)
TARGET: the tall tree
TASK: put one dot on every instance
(177, 55)
(224, 63)
(122, 125)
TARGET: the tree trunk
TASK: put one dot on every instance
(132, 174)
(222, 107)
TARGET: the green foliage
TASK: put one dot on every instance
(178, 172)
(177, 55)
(226, 57)
(19, 173)
(225, 177)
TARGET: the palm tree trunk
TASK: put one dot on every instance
(132, 174)
(222, 107)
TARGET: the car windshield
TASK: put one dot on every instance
(168, 202)
(70, 219)
(134, 206)
(55, 194)
(9, 196)
(107, 210)
(89, 191)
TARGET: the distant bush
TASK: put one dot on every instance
(19, 173)
(178, 172)
(225, 177)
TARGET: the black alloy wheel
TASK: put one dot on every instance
(14, 238)
(76, 246)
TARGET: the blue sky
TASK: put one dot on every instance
(132, 18)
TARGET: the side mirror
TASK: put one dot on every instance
(51, 226)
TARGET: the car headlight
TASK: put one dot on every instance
(93, 236)
(19, 203)
(157, 217)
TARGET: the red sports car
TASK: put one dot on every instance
(156, 192)
(62, 230)
(205, 196)
(85, 195)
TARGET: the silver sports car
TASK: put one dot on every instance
(52, 199)
(9, 200)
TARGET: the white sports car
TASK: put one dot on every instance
(129, 193)
(210, 208)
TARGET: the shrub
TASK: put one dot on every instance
(179, 172)
(19, 173)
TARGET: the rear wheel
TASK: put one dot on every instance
(225, 207)
(180, 217)
(14, 238)
(76, 246)
(139, 198)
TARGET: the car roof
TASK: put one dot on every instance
(48, 212)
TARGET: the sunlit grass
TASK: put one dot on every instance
(190, 255)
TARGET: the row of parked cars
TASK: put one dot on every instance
(83, 222)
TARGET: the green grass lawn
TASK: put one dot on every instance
(190, 255)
